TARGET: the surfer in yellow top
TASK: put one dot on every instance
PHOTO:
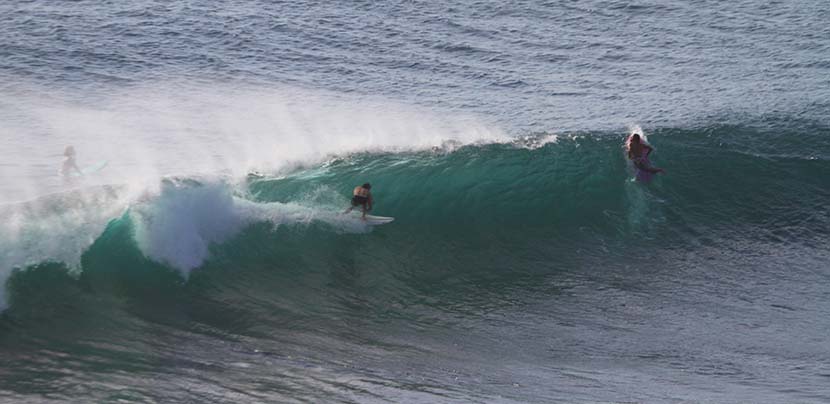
(362, 196)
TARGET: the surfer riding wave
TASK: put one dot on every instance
(638, 152)
(362, 196)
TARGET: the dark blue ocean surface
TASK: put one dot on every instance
(530, 65)
(208, 260)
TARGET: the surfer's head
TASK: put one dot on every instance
(69, 151)
(367, 185)
(634, 139)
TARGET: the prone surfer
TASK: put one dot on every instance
(361, 196)
(638, 152)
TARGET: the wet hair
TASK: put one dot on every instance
(69, 151)
(367, 186)
(630, 140)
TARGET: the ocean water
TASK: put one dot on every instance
(209, 262)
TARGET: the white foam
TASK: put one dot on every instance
(178, 226)
(533, 142)
(175, 223)
(56, 227)
(634, 129)
(180, 129)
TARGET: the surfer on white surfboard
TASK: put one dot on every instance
(361, 196)
(69, 165)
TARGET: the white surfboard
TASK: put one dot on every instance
(378, 220)
(94, 168)
(372, 220)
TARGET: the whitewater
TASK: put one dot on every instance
(209, 260)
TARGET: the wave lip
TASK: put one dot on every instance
(174, 129)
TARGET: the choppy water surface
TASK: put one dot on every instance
(208, 260)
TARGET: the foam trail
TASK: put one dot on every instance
(178, 226)
(635, 129)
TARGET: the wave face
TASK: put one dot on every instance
(268, 268)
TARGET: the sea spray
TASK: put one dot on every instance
(55, 227)
(173, 129)
(178, 226)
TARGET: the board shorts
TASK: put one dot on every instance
(359, 200)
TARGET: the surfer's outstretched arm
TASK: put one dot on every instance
(645, 167)
(655, 170)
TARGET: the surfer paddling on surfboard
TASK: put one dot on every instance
(638, 152)
(361, 196)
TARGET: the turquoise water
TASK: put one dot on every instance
(210, 262)
(507, 265)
